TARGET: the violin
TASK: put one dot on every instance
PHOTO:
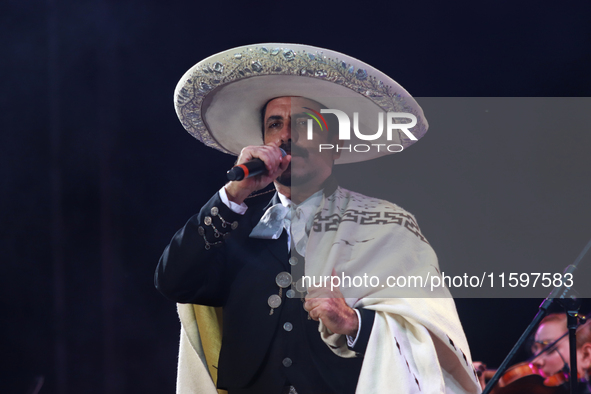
(525, 378)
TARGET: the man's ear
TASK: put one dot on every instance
(584, 358)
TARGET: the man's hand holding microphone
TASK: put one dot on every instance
(274, 162)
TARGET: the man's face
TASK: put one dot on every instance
(285, 123)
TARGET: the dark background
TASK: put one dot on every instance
(97, 172)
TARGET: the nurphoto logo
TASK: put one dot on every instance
(345, 130)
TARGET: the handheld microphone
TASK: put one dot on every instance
(252, 167)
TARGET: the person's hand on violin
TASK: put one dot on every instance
(480, 369)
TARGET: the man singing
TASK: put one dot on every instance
(251, 252)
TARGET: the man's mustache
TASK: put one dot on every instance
(294, 150)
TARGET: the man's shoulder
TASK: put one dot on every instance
(359, 209)
(350, 200)
(353, 213)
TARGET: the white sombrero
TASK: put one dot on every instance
(219, 99)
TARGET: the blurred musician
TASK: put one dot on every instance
(556, 358)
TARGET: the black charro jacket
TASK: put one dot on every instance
(258, 355)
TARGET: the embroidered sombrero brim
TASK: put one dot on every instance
(219, 99)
